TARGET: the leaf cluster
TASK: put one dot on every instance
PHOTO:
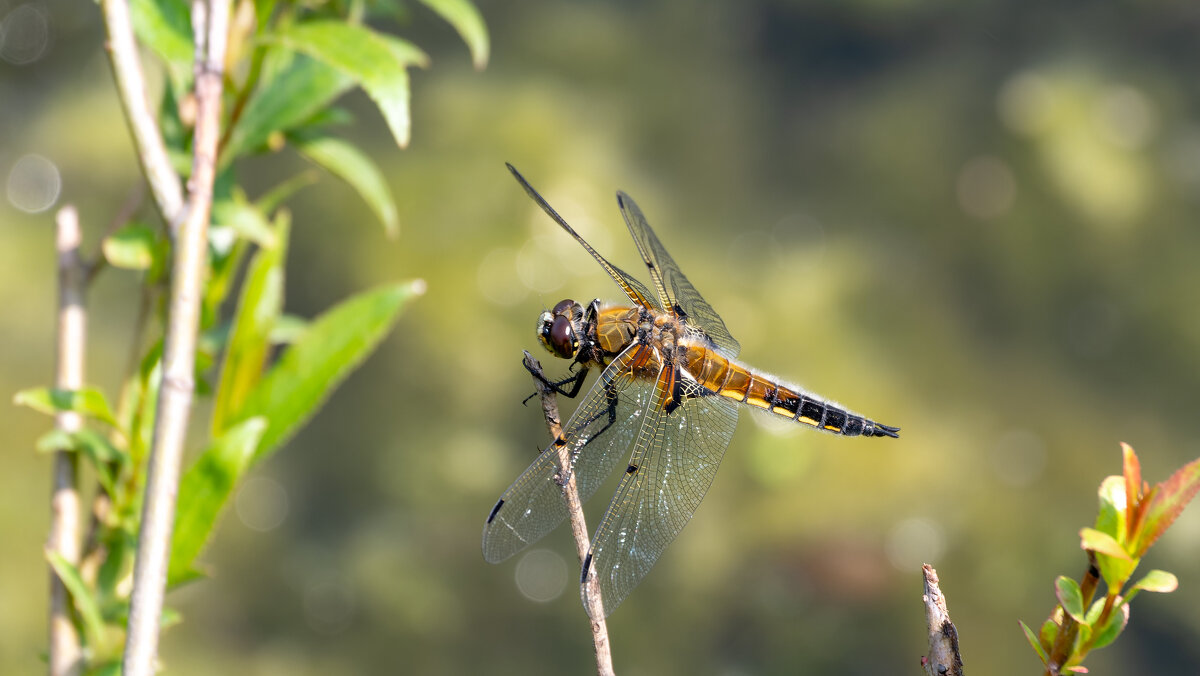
(1133, 515)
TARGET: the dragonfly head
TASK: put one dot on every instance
(558, 330)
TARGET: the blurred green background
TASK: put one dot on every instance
(973, 220)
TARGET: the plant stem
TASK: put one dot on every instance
(210, 23)
(66, 657)
(595, 605)
(131, 85)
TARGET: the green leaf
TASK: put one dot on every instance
(299, 91)
(85, 603)
(133, 247)
(249, 342)
(277, 195)
(349, 163)
(335, 343)
(1167, 502)
(1113, 627)
(88, 402)
(204, 490)
(1048, 633)
(1033, 641)
(1070, 597)
(288, 329)
(96, 447)
(108, 668)
(466, 20)
(246, 219)
(1111, 519)
(376, 61)
(165, 26)
(1103, 543)
(1159, 581)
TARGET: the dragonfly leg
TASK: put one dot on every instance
(559, 386)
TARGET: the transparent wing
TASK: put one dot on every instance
(675, 292)
(675, 459)
(635, 290)
(599, 432)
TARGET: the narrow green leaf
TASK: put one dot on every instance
(165, 26)
(466, 20)
(246, 219)
(1097, 541)
(1158, 581)
(277, 195)
(376, 61)
(85, 603)
(105, 457)
(1167, 503)
(354, 167)
(133, 247)
(249, 342)
(334, 344)
(1070, 597)
(204, 490)
(88, 402)
(1116, 623)
(302, 89)
(1033, 641)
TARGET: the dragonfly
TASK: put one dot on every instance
(665, 406)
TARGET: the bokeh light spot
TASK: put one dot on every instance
(1018, 458)
(1026, 103)
(34, 184)
(914, 541)
(1126, 117)
(497, 277)
(986, 188)
(541, 575)
(262, 504)
(24, 35)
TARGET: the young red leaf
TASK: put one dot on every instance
(1133, 479)
(1165, 502)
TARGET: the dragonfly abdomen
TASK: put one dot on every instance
(726, 378)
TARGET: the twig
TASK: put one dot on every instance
(152, 152)
(944, 658)
(595, 606)
(210, 22)
(65, 654)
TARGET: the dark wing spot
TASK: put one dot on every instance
(631, 469)
(495, 509)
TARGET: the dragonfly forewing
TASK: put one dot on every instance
(675, 291)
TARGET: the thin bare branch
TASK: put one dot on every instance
(66, 657)
(579, 529)
(210, 23)
(152, 152)
(944, 658)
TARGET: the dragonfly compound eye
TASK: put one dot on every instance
(562, 338)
